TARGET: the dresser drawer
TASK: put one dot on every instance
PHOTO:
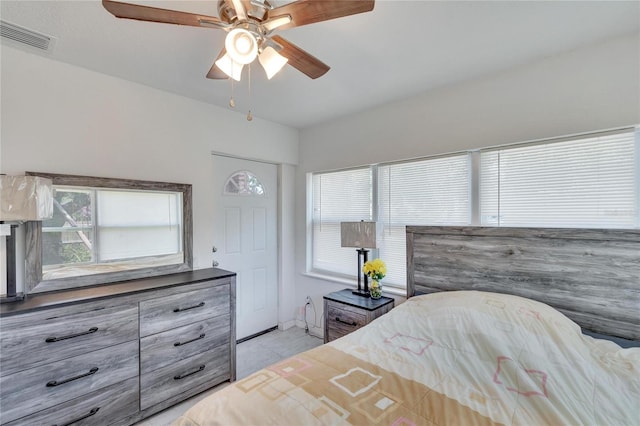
(101, 407)
(43, 387)
(211, 366)
(168, 347)
(342, 319)
(41, 337)
(164, 313)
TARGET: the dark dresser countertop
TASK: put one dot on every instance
(38, 301)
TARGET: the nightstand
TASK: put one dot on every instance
(345, 312)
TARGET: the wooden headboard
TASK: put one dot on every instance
(590, 275)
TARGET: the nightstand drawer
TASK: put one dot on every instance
(162, 349)
(346, 315)
(42, 337)
(165, 313)
(346, 312)
(174, 379)
(48, 385)
(344, 319)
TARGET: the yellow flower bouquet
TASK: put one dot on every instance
(376, 270)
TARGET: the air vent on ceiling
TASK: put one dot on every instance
(24, 36)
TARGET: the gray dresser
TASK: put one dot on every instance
(117, 353)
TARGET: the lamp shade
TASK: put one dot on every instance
(358, 234)
(229, 67)
(25, 198)
(241, 45)
(271, 61)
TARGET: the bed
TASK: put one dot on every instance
(471, 350)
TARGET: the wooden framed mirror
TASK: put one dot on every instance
(106, 230)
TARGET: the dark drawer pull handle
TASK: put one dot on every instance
(189, 341)
(199, 305)
(182, 376)
(86, 416)
(353, 323)
(71, 336)
(91, 372)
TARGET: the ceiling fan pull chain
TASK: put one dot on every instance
(249, 116)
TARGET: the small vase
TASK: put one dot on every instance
(375, 291)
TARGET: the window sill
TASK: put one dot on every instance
(77, 270)
(353, 283)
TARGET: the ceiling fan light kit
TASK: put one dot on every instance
(272, 62)
(241, 45)
(230, 67)
(249, 24)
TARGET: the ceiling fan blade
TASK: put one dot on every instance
(306, 12)
(301, 60)
(154, 14)
(216, 73)
(276, 22)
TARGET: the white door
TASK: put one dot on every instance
(245, 236)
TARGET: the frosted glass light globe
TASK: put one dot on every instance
(241, 46)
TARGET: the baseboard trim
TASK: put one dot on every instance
(260, 333)
(287, 325)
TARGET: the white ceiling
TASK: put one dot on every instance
(394, 52)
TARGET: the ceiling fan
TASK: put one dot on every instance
(249, 25)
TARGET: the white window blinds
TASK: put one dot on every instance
(586, 182)
(427, 192)
(343, 196)
(138, 224)
(592, 181)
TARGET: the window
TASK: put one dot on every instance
(338, 197)
(108, 230)
(428, 192)
(590, 181)
(431, 191)
(243, 183)
(587, 182)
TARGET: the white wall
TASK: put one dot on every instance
(591, 88)
(286, 246)
(64, 119)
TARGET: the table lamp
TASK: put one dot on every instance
(361, 235)
(22, 198)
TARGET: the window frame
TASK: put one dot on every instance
(312, 268)
(34, 282)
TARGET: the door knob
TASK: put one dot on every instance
(214, 249)
(215, 263)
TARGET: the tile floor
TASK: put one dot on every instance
(251, 356)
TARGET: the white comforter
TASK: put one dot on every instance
(447, 358)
